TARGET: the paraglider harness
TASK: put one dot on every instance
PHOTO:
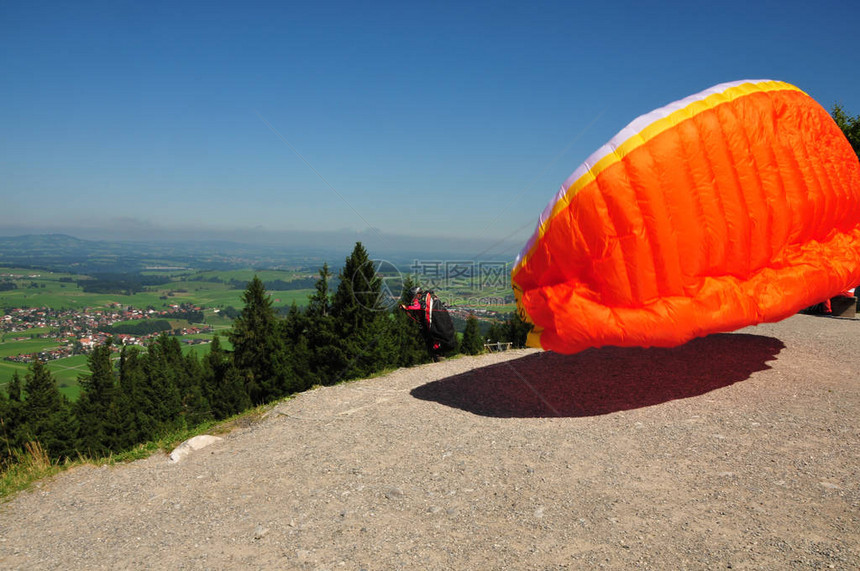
(437, 327)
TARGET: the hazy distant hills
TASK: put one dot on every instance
(62, 252)
(48, 243)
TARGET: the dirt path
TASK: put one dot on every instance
(735, 451)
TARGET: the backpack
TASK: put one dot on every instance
(438, 323)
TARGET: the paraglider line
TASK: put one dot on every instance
(322, 178)
(503, 240)
(534, 390)
(529, 185)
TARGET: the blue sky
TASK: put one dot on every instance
(125, 120)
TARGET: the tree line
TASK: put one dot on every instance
(850, 126)
(140, 327)
(343, 334)
(280, 285)
(128, 284)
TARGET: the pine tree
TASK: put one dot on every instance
(356, 297)
(187, 375)
(195, 406)
(319, 303)
(294, 330)
(364, 328)
(258, 351)
(132, 400)
(160, 390)
(849, 125)
(326, 352)
(472, 343)
(497, 333)
(14, 387)
(232, 398)
(120, 426)
(47, 413)
(65, 426)
(223, 384)
(98, 390)
(518, 330)
(314, 337)
(12, 419)
(7, 438)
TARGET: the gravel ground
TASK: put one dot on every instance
(734, 451)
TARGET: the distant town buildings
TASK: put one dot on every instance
(78, 331)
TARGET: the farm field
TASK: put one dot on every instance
(248, 274)
(13, 335)
(38, 288)
(65, 371)
(60, 291)
(12, 347)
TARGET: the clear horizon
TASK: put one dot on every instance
(458, 121)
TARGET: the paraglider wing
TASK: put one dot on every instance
(735, 206)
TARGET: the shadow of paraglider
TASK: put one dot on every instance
(605, 380)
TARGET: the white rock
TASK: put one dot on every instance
(191, 445)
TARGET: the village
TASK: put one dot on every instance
(79, 331)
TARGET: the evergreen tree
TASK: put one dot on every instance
(42, 399)
(223, 384)
(472, 343)
(513, 330)
(327, 352)
(363, 326)
(319, 303)
(148, 401)
(251, 337)
(497, 333)
(850, 126)
(295, 324)
(162, 401)
(258, 350)
(7, 426)
(97, 395)
(232, 398)
(314, 338)
(213, 365)
(187, 376)
(65, 425)
(120, 426)
(295, 333)
(14, 387)
(131, 400)
(12, 417)
(47, 413)
(517, 330)
(357, 298)
(195, 406)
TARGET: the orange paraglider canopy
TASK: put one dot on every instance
(735, 206)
